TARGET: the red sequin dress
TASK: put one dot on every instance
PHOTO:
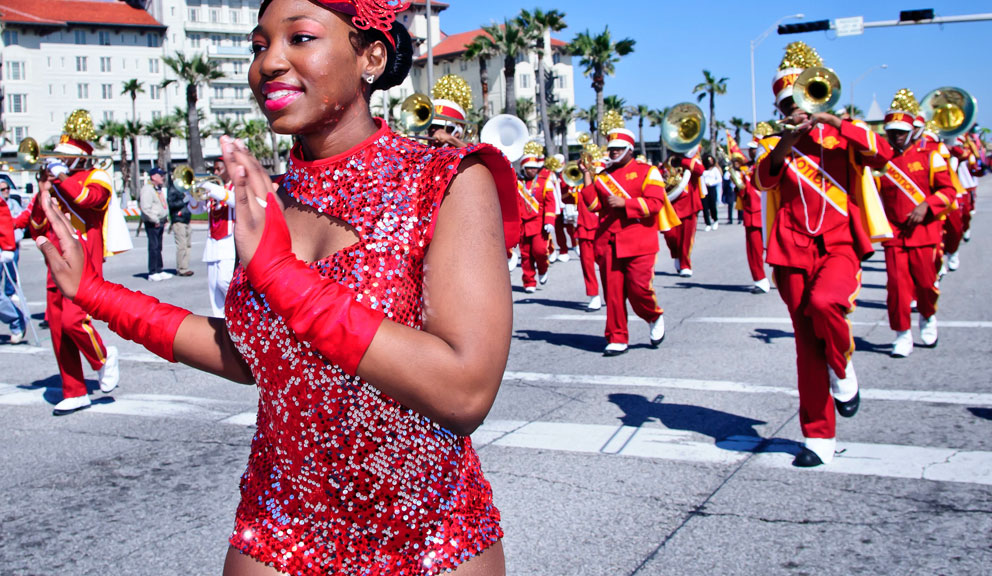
(342, 479)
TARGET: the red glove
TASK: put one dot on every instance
(319, 310)
(135, 316)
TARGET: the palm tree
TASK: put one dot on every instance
(525, 109)
(253, 133)
(739, 125)
(163, 129)
(560, 116)
(481, 49)
(226, 125)
(132, 87)
(539, 25)
(509, 40)
(599, 54)
(590, 115)
(194, 71)
(642, 112)
(657, 118)
(116, 133)
(711, 86)
(614, 102)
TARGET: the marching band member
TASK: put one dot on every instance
(750, 199)
(566, 220)
(959, 220)
(219, 252)
(816, 240)
(536, 204)
(83, 195)
(449, 130)
(916, 191)
(585, 235)
(552, 177)
(687, 201)
(630, 199)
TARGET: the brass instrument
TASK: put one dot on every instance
(188, 181)
(673, 174)
(572, 174)
(816, 90)
(735, 175)
(417, 114)
(682, 128)
(951, 109)
(29, 156)
(583, 138)
(507, 133)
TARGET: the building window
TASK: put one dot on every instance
(239, 92)
(156, 114)
(15, 70)
(107, 90)
(108, 115)
(80, 36)
(194, 40)
(556, 57)
(560, 82)
(218, 92)
(235, 17)
(103, 38)
(17, 103)
(155, 91)
(463, 65)
(239, 67)
(214, 16)
(525, 80)
(20, 133)
(10, 37)
(104, 63)
(194, 15)
(154, 41)
(80, 63)
(447, 68)
(82, 91)
(216, 39)
(153, 65)
(51, 89)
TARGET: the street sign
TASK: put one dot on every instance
(852, 26)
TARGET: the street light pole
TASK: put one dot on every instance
(860, 78)
(754, 44)
(430, 51)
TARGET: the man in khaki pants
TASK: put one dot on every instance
(180, 215)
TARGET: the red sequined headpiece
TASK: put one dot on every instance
(369, 14)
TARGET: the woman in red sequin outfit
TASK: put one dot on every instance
(354, 309)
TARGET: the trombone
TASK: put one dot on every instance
(29, 156)
(191, 183)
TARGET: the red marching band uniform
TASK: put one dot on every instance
(585, 236)
(687, 202)
(626, 240)
(536, 204)
(918, 175)
(749, 203)
(816, 241)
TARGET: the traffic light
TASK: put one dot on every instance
(799, 28)
(915, 15)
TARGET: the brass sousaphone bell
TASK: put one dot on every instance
(683, 127)
(191, 183)
(952, 109)
(817, 89)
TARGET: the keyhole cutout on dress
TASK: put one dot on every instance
(316, 236)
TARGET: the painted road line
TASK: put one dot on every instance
(765, 320)
(885, 460)
(130, 357)
(241, 419)
(927, 396)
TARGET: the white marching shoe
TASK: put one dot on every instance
(846, 393)
(902, 346)
(716, 225)
(530, 289)
(542, 279)
(953, 262)
(594, 303)
(615, 349)
(657, 331)
(553, 257)
(512, 261)
(564, 257)
(928, 331)
(110, 373)
(761, 286)
(678, 266)
(70, 405)
(816, 451)
(967, 235)
(685, 272)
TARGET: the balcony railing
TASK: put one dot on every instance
(222, 27)
(231, 103)
(239, 52)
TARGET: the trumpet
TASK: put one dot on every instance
(951, 109)
(417, 113)
(682, 128)
(190, 182)
(572, 174)
(816, 90)
(29, 156)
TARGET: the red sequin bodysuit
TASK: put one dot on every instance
(342, 479)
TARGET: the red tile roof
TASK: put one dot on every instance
(455, 44)
(69, 12)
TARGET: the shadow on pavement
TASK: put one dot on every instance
(871, 304)
(767, 335)
(53, 390)
(982, 412)
(717, 287)
(638, 410)
(566, 304)
(584, 342)
(862, 345)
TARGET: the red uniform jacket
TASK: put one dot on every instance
(7, 239)
(812, 192)
(690, 201)
(536, 203)
(635, 228)
(917, 175)
(83, 196)
(751, 199)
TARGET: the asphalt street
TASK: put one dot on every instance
(668, 461)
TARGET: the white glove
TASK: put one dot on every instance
(6, 256)
(549, 229)
(215, 191)
(56, 167)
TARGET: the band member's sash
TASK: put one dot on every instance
(529, 199)
(810, 174)
(610, 184)
(904, 183)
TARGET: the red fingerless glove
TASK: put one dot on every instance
(320, 311)
(135, 316)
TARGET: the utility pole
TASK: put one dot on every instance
(856, 25)
(430, 51)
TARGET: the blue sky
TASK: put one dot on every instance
(677, 40)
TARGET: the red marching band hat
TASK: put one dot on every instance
(903, 111)
(621, 138)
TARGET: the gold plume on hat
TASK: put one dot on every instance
(905, 101)
(533, 149)
(611, 121)
(454, 88)
(763, 130)
(800, 55)
(553, 164)
(79, 126)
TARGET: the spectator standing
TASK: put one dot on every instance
(713, 180)
(179, 215)
(15, 205)
(154, 215)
